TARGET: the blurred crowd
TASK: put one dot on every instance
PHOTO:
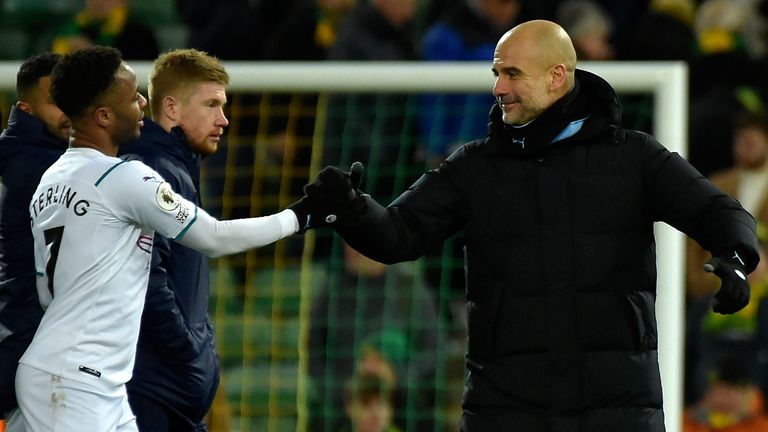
(724, 43)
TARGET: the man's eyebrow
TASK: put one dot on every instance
(495, 69)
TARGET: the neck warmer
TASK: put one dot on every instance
(560, 121)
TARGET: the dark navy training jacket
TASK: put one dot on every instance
(176, 360)
(26, 151)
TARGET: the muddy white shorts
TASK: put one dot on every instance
(51, 403)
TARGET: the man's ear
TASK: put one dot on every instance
(559, 74)
(103, 116)
(24, 106)
(171, 108)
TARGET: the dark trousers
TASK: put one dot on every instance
(153, 416)
(11, 350)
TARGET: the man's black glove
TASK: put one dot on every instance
(734, 288)
(335, 197)
(331, 188)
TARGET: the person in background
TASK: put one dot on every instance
(746, 181)
(233, 29)
(287, 121)
(308, 33)
(727, 79)
(368, 403)
(37, 134)
(380, 30)
(590, 28)
(109, 23)
(662, 30)
(369, 311)
(93, 220)
(732, 403)
(376, 30)
(557, 205)
(710, 336)
(177, 368)
(467, 31)
(369, 126)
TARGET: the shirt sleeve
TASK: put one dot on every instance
(145, 198)
(138, 194)
(215, 238)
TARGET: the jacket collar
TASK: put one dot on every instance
(174, 143)
(32, 129)
(589, 109)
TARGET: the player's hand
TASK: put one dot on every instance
(734, 288)
(332, 187)
(303, 208)
(336, 196)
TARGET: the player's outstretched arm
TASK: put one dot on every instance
(151, 202)
(215, 238)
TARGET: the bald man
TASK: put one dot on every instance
(557, 205)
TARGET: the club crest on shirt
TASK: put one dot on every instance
(166, 198)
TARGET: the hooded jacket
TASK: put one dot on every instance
(26, 151)
(560, 260)
(176, 359)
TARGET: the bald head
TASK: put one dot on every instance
(546, 42)
(535, 63)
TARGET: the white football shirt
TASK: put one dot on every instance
(93, 221)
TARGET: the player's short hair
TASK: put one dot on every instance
(82, 76)
(32, 69)
(181, 68)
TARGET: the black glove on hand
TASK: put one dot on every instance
(332, 188)
(334, 193)
(734, 288)
(302, 208)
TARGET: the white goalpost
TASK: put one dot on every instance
(667, 81)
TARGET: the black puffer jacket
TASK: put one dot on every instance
(560, 260)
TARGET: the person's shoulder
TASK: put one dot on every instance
(441, 42)
(624, 136)
(440, 29)
(476, 144)
(171, 168)
(134, 167)
(33, 158)
(124, 172)
(468, 157)
(474, 148)
(638, 145)
(152, 148)
(148, 152)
